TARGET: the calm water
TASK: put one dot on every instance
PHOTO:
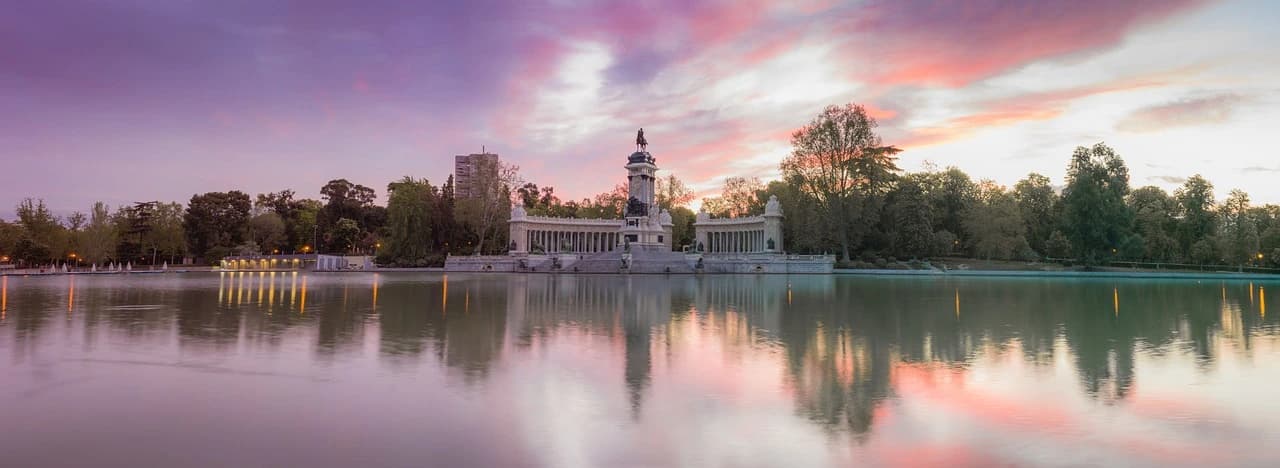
(492, 370)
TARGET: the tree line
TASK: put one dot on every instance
(214, 225)
(841, 191)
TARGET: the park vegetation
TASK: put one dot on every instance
(841, 190)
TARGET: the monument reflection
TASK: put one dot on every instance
(670, 370)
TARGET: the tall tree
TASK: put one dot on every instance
(1155, 223)
(740, 197)
(840, 162)
(910, 220)
(267, 231)
(994, 223)
(100, 236)
(44, 237)
(672, 192)
(1036, 202)
(1196, 207)
(1096, 218)
(1239, 231)
(215, 222)
(411, 207)
(492, 185)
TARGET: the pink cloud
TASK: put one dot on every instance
(1026, 108)
(1207, 110)
(956, 43)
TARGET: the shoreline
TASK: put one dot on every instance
(1222, 275)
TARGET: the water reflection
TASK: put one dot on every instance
(651, 370)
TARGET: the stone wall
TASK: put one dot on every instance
(495, 263)
(769, 264)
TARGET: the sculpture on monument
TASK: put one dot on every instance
(641, 143)
(635, 207)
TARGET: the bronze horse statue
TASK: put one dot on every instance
(641, 143)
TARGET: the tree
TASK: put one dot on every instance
(1153, 219)
(1095, 216)
(344, 199)
(411, 207)
(994, 224)
(949, 192)
(167, 235)
(490, 202)
(1239, 232)
(10, 234)
(740, 197)
(344, 235)
(911, 220)
(100, 237)
(672, 192)
(682, 219)
(839, 161)
(267, 230)
(1196, 207)
(1036, 200)
(216, 219)
(43, 236)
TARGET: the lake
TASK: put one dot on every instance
(407, 369)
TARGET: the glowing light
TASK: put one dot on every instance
(1115, 300)
(71, 293)
(1262, 301)
(444, 296)
(375, 292)
(221, 284)
(4, 295)
(957, 303)
(302, 306)
(271, 292)
(293, 289)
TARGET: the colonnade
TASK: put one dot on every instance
(736, 241)
(556, 241)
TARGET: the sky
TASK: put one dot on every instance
(130, 100)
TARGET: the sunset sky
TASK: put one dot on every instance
(126, 100)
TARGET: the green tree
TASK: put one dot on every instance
(1196, 207)
(1036, 201)
(344, 235)
(841, 163)
(10, 234)
(267, 231)
(910, 219)
(486, 211)
(411, 206)
(994, 223)
(1096, 218)
(1154, 221)
(1239, 232)
(44, 238)
(100, 236)
(167, 235)
(216, 219)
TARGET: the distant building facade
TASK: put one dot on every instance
(466, 168)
